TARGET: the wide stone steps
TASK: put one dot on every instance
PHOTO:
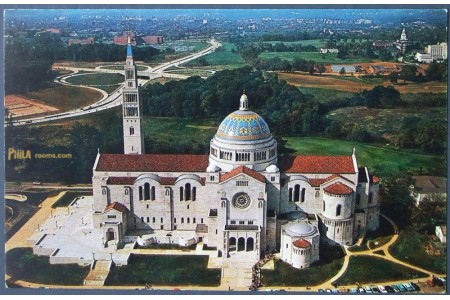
(98, 273)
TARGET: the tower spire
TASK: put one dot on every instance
(129, 50)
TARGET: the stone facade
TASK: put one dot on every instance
(236, 198)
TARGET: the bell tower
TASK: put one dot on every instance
(133, 137)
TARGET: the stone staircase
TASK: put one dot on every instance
(98, 273)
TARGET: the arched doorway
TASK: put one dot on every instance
(250, 244)
(232, 244)
(241, 244)
(110, 234)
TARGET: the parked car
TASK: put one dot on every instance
(395, 288)
(321, 290)
(375, 289)
(442, 280)
(382, 289)
(415, 286)
(328, 290)
(353, 290)
(408, 287)
(401, 287)
(389, 289)
(361, 290)
(368, 289)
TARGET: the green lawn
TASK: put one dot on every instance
(22, 264)
(190, 136)
(366, 269)
(331, 261)
(318, 43)
(190, 72)
(223, 58)
(105, 81)
(374, 157)
(411, 246)
(315, 56)
(66, 97)
(165, 270)
(69, 196)
(325, 95)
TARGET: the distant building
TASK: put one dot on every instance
(423, 57)
(123, 40)
(88, 41)
(329, 50)
(437, 52)
(53, 30)
(428, 187)
(153, 39)
(382, 44)
(441, 233)
(402, 43)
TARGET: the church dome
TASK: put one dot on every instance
(300, 229)
(243, 125)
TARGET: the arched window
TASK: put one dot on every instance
(302, 199)
(141, 195)
(126, 191)
(167, 192)
(187, 191)
(181, 193)
(338, 210)
(154, 219)
(103, 191)
(194, 193)
(131, 130)
(182, 220)
(290, 194)
(317, 194)
(188, 220)
(152, 193)
(223, 205)
(296, 193)
(146, 191)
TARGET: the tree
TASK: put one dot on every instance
(393, 77)
(430, 212)
(408, 73)
(342, 71)
(434, 72)
(322, 69)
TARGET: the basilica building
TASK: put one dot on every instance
(242, 199)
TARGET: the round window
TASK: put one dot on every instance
(241, 200)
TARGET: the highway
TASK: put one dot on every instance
(115, 98)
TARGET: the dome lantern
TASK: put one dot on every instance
(243, 102)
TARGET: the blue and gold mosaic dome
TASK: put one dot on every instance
(243, 125)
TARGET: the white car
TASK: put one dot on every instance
(382, 289)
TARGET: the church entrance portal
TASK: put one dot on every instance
(110, 235)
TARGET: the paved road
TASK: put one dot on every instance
(115, 98)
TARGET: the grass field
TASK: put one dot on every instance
(381, 270)
(377, 159)
(185, 133)
(411, 246)
(190, 72)
(383, 121)
(165, 270)
(325, 95)
(223, 59)
(66, 97)
(331, 260)
(356, 85)
(318, 43)
(69, 196)
(330, 58)
(22, 264)
(105, 81)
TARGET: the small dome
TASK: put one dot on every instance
(272, 169)
(243, 125)
(300, 229)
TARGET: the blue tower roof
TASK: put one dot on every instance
(129, 51)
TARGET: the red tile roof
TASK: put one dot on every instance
(301, 243)
(117, 206)
(316, 181)
(152, 163)
(338, 189)
(245, 170)
(317, 164)
(121, 180)
(334, 176)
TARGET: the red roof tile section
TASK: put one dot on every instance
(245, 170)
(316, 182)
(317, 164)
(338, 189)
(301, 243)
(121, 180)
(153, 163)
(334, 176)
(117, 206)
